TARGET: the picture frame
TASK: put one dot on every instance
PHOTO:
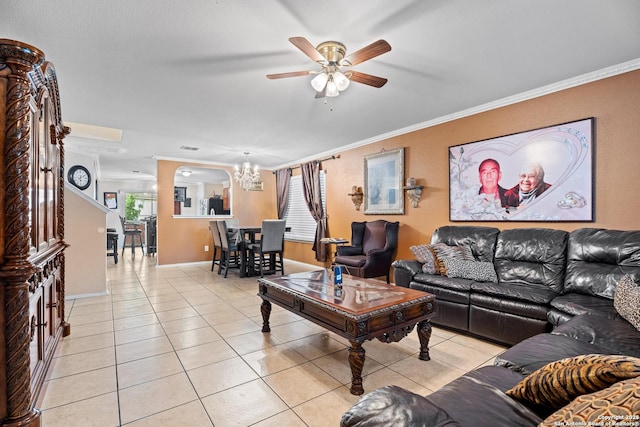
(383, 180)
(257, 186)
(541, 175)
(179, 194)
(111, 199)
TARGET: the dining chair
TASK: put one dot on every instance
(229, 250)
(217, 244)
(133, 231)
(233, 223)
(271, 244)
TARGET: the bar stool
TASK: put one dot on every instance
(133, 231)
(112, 244)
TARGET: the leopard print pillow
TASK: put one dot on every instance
(474, 270)
(626, 300)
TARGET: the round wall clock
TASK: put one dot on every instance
(79, 176)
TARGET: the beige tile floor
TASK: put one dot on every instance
(182, 346)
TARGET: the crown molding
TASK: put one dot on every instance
(604, 73)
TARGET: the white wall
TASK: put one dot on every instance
(85, 232)
(71, 159)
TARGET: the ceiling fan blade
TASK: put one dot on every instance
(367, 79)
(371, 51)
(285, 75)
(308, 49)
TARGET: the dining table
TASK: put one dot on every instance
(246, 236)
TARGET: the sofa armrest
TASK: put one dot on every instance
(394, 406)
(404, 270)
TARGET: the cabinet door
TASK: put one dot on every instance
(36, 346)
(50, 306)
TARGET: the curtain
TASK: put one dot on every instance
(313, 198)
(283, 177)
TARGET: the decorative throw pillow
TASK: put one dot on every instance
(558, 383)
(618, 404)
(442, 251)
(626, 300)
(424, 254)
(475, 270)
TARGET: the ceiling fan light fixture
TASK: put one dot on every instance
(341, 81)
(332, 88)
(319, 82)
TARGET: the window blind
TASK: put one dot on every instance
(303, 226)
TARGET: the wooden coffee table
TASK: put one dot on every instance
(361, 310)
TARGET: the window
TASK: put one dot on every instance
(303, 226)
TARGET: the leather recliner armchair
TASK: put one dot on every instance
(372, 249)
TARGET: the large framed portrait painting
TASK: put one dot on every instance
(539, 175)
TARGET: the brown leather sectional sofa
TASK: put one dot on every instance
(545, 277)
(554, 299)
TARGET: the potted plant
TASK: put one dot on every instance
(132, 207)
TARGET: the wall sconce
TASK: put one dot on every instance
(413, 191)
(356, 196)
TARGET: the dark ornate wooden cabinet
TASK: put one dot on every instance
(31, 228)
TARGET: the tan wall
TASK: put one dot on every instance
(613, 102)
(182, 240)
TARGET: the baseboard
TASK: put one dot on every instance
(90, 295)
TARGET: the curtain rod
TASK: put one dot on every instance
(319, 160)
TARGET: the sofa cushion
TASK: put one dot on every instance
(424, 254)
(394, 406)
(481, 240)
(598, 258)
(616, 335)
(532, 256)
(521, 308)
(539, 350)
(576, 304)
(475, 270)
(443, 293)
(627, 300)
(558, 383)
(618, 404)
(496, 376)
(516, 291)
(473, 401)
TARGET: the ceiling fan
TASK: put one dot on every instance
(336, 72)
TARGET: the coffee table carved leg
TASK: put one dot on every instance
(265, 309)
(356, 361)
(424, 335)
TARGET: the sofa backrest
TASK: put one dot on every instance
(532, 256)
(598, 258)
(481, 240)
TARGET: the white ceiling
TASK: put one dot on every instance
(192, 72)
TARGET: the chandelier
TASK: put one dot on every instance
(247, 177)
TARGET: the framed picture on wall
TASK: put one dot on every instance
(111, 200)
(179, 194)
(543, 174)
(383, 180)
